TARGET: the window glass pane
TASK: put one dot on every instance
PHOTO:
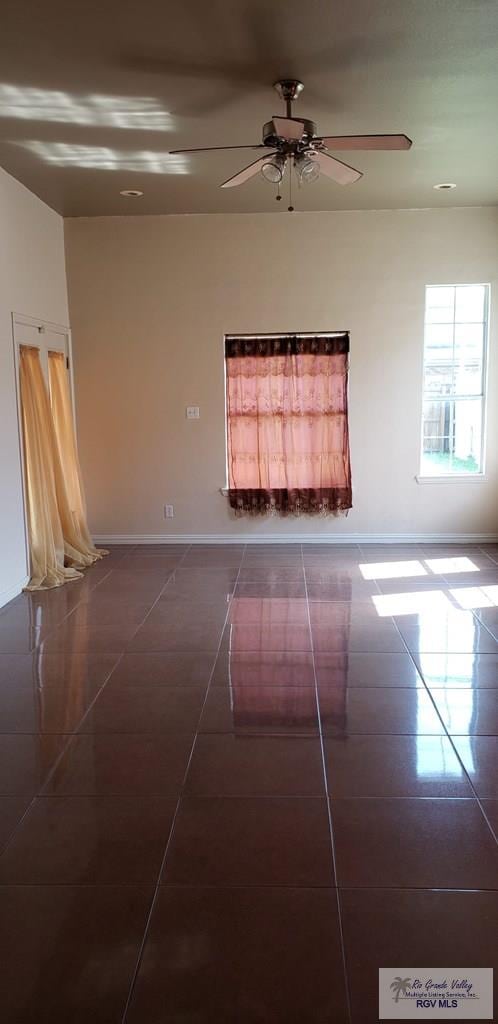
(438, 379)
(439, 298)
(469, 303)
(469, 344)
(467, 379)
(451, 436)
(440, 315)
(454, 355)
(469, 341)
(438, 342)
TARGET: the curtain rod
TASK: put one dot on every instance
(285, 334)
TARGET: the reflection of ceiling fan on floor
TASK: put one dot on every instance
(293, 140)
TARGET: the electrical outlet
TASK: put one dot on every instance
(169, 512)
(192, 412)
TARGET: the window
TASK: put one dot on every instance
(454, 379)
(287, 424)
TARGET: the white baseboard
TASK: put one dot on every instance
(295, 538)
(12, 592)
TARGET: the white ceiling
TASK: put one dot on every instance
(94, 96)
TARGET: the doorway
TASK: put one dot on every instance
(46, 337)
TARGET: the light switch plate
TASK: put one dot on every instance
(192, 412)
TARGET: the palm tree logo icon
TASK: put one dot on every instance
(400, 987)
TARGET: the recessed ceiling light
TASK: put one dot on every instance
(131, 193)
(444, 185)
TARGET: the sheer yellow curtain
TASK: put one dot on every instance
(46, 540)
(78, 544)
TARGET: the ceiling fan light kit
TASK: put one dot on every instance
(307, 169)
(272, 169)
(294, 142)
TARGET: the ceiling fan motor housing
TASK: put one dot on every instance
(276, 142)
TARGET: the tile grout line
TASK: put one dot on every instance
(160, 594)
(67, 616)
(329, 812)
(448, 736)
(447, 585)
(245, 885)
(143, 943)
(72, 735)
(170, 837)
(493, 559)
(266, 797)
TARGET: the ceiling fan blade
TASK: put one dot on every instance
(246, 173)
(366, 142)
(214, 149)
(287, 128)
(342, 173)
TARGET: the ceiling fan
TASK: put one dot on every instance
(293, 140)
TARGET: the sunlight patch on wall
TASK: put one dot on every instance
(135, 112)
(104, 158)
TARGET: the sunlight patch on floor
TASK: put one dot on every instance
(413, 603)
(391, 570)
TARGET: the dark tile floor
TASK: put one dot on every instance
(235, 781)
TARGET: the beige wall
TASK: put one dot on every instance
(32, 282)
(150, 301)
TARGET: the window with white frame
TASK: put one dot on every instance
(455, 338)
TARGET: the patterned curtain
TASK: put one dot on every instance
(288, 442)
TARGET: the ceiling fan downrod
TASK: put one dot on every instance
(288, 89)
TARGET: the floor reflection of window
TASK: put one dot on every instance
(266, 678)
(455, 631)
(272, 682)
(432, 757)
(459, 710)
(269, 707)
(455, 673)
(333, 696)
